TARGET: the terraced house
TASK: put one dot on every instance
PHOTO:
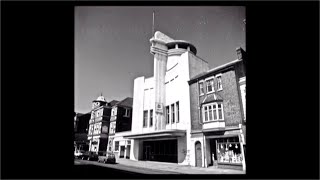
(218, 114)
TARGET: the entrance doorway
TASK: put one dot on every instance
(198, 154)
(161, 150)
(128, 152)
(147, 153)
(213, 152)
(122, 148)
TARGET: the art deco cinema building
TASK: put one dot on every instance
(161, 129)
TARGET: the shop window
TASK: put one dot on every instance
(145, 118)
(116, 145)
(229, 151)
(151, 118)
(210, 85)
(168, 114)
(201, 89)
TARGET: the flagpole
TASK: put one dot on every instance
(153, 23)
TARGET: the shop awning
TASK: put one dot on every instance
(158, 134)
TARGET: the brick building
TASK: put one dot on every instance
(120, 125)
(81, 130)
(99, 124)
(218, 114)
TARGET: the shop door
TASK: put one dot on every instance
(198, 154)
(147, 153)
(128, 152)
(122, 148)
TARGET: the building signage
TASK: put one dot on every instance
(159, 107)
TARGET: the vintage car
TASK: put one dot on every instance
(91, 156)
(107, 157)
(78, 153)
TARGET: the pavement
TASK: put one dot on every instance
(175, 168)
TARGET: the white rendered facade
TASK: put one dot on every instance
(175, 63)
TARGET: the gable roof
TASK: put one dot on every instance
(214, 97)
(127, 102)
(113, 102)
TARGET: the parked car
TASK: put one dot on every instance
(78, 153)
(107, 157)
(91, 156)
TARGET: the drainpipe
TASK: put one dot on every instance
(203, 139)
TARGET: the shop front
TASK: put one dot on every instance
(225, 150)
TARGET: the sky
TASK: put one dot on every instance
(112, 45)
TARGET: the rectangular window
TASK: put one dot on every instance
(178, 114)
(172, 113)
(201, 90)
(214, 112)
(145, 118)
(205, 113)
(219, 82)
(127, 112)
(151, 118)
(220, 111)
(116, 145)
(210, 85)
(210, 113)
(168, 114)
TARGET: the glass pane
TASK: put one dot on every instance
(210, 113)
(220, 114)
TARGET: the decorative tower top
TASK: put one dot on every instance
(100, 101)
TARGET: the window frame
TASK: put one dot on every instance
(173, 113)
(116, 148)
(177, 104)
(151, 118)
(145, 119)
(202, 83)
(219, 76)
(168, 114)
(127, 112)
(207, 88)
(205, 113)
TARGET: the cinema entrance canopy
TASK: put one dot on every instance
(169, 133)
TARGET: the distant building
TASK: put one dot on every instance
(99, 124)
(81, 130)
(218, 114)
(120, 125)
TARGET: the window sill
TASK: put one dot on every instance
(219, 90)
(201, 94)
(220, 120)
(210, 92)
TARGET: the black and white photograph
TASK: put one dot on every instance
(161, 90)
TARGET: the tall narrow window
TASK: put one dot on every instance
(219, 82)
(116, 145)
(201, 90)
(210, 85)
(151, 117)
(127, 112)
(220, 111)
(210, 113)
(214, 112)
(145, 118)
(172, 113)
(168, 114)
(178, 114)
(205, 113)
